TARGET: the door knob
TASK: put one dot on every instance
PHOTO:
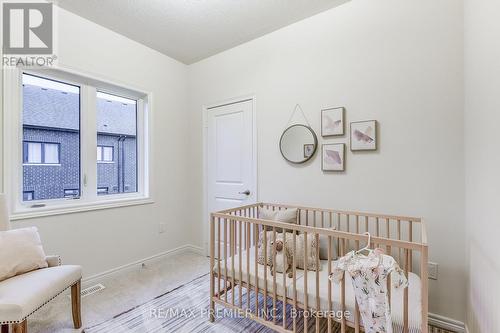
(247, 192)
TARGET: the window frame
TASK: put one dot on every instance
(89, 199)
(42, 153)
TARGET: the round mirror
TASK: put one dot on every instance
(298, 144)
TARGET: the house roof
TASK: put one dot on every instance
(59, 109)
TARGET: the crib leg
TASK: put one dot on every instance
(212, 310)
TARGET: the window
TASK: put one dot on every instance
(51, 125)
(116, 127)
(41, 153)
(102, 190)
(105, 154)
(73, 193)
(66, 156)
(28, 195)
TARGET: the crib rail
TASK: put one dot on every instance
(240, 283)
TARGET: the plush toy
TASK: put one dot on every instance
(283, 259)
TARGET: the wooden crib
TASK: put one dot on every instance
(239, 283)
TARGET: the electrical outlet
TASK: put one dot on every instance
(162, 228)
(433, 270)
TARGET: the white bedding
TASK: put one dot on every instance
(414, 291)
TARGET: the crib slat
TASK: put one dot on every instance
(284, 279)
(357, 230)
(405, 300)
(233, 257)
(410, 238)
(306, 306)
(329, 284)
(425, 283)
(265, 269)
(240, 245)
(218, 257)
(274, 276)
(317, 283)
(294, 244)
(342, 292)
(212, 263)
(248, 263)
(225, 261)
(348, 229)
(256, 273)
(399, 238)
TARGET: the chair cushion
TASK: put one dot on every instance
(21, 251)
(23, 294)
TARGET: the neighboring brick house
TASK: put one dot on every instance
(51, 134)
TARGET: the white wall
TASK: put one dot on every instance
(482, 116)
(397, 61)
(104, 239)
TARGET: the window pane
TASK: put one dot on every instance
(27, 196)
(34, 152)
(51, 132)
(116, 134)
(99, 153)
(107, 154)
(51, 153)
(102, 190)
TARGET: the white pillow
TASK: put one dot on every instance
(289, 215)
(21, 251)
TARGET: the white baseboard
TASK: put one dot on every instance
(447, 323)
(120, 269)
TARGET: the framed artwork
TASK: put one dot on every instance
(309, 150)
(333, 157)
(332, 122)
(364, 135)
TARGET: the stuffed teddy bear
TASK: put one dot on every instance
(283, 257)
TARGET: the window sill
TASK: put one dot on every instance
(43, 164)
(78, 208)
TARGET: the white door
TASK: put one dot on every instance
(231, 164)
(231, 156)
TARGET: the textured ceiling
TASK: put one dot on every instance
(191, 30)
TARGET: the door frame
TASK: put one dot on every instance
(205, 109)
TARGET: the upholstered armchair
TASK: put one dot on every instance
(23, 295)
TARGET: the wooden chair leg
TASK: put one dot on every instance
(5, 328)
(21, 327)
(76, 304)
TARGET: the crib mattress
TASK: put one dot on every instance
(397, 311)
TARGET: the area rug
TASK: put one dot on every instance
(185, 309)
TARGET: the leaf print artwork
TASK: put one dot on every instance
(332, 122)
